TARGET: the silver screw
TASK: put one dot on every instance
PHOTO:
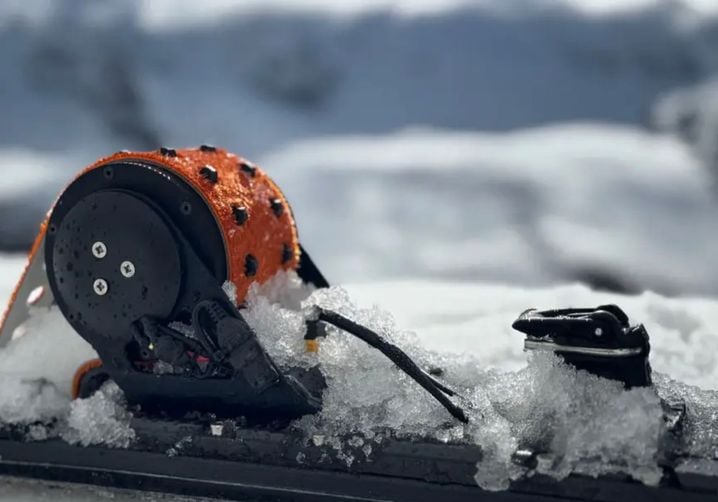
(599, 332)
(99, 250)
(101, 287)
(128, 269)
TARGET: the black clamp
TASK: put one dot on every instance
(599, 340)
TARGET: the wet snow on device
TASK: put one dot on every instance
(150, 257)
(135, 253)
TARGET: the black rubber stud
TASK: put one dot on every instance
(209, 173)
(207, 148)
(248, 168)
(251, 265)
(240, 214)
(277, 207)
(168, 152)
(287, 253)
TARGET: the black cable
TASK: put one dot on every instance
(443, 388)
(191, 344)
(201, 333)
(397, 356)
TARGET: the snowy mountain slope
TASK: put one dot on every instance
(692, 114)
(100, 76)
(613, 206)
(616, 207)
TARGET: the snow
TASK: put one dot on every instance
(256, 79)
(600, 203)
(454, 161)
(692, 114)
(26, 402)
(101, 419)
(321, 96)
(37, 368)
(579, 422)
(37, 341)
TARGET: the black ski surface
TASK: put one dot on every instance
(240, 464)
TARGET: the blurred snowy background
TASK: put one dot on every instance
(532, 142)
(422, 143)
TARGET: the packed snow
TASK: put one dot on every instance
(579, 423)
(37, 369)
(427, 147)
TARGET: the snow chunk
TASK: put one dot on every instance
(24, 402)
(273, 313)
(700, 432)
(49, 349)
(576, 421)
(100, 419)
(37, 368)
(38, 404)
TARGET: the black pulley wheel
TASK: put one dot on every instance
(112, 258)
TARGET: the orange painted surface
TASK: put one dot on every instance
(265, 232)
(80, 374)
(36, 248)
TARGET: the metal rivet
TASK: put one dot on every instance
(168, 152)
(598, 332)
(101, 287)
(248, 168)
(287, 253)
(209, 173)
(277, 207)
(207, 148)
(99, 250)
(250, 266)
(128, 269)
(240, 214)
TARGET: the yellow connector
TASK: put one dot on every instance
(312, 345)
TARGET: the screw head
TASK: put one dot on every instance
(128, 269)
(599, 332)
(100, 287)
(99, 250)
